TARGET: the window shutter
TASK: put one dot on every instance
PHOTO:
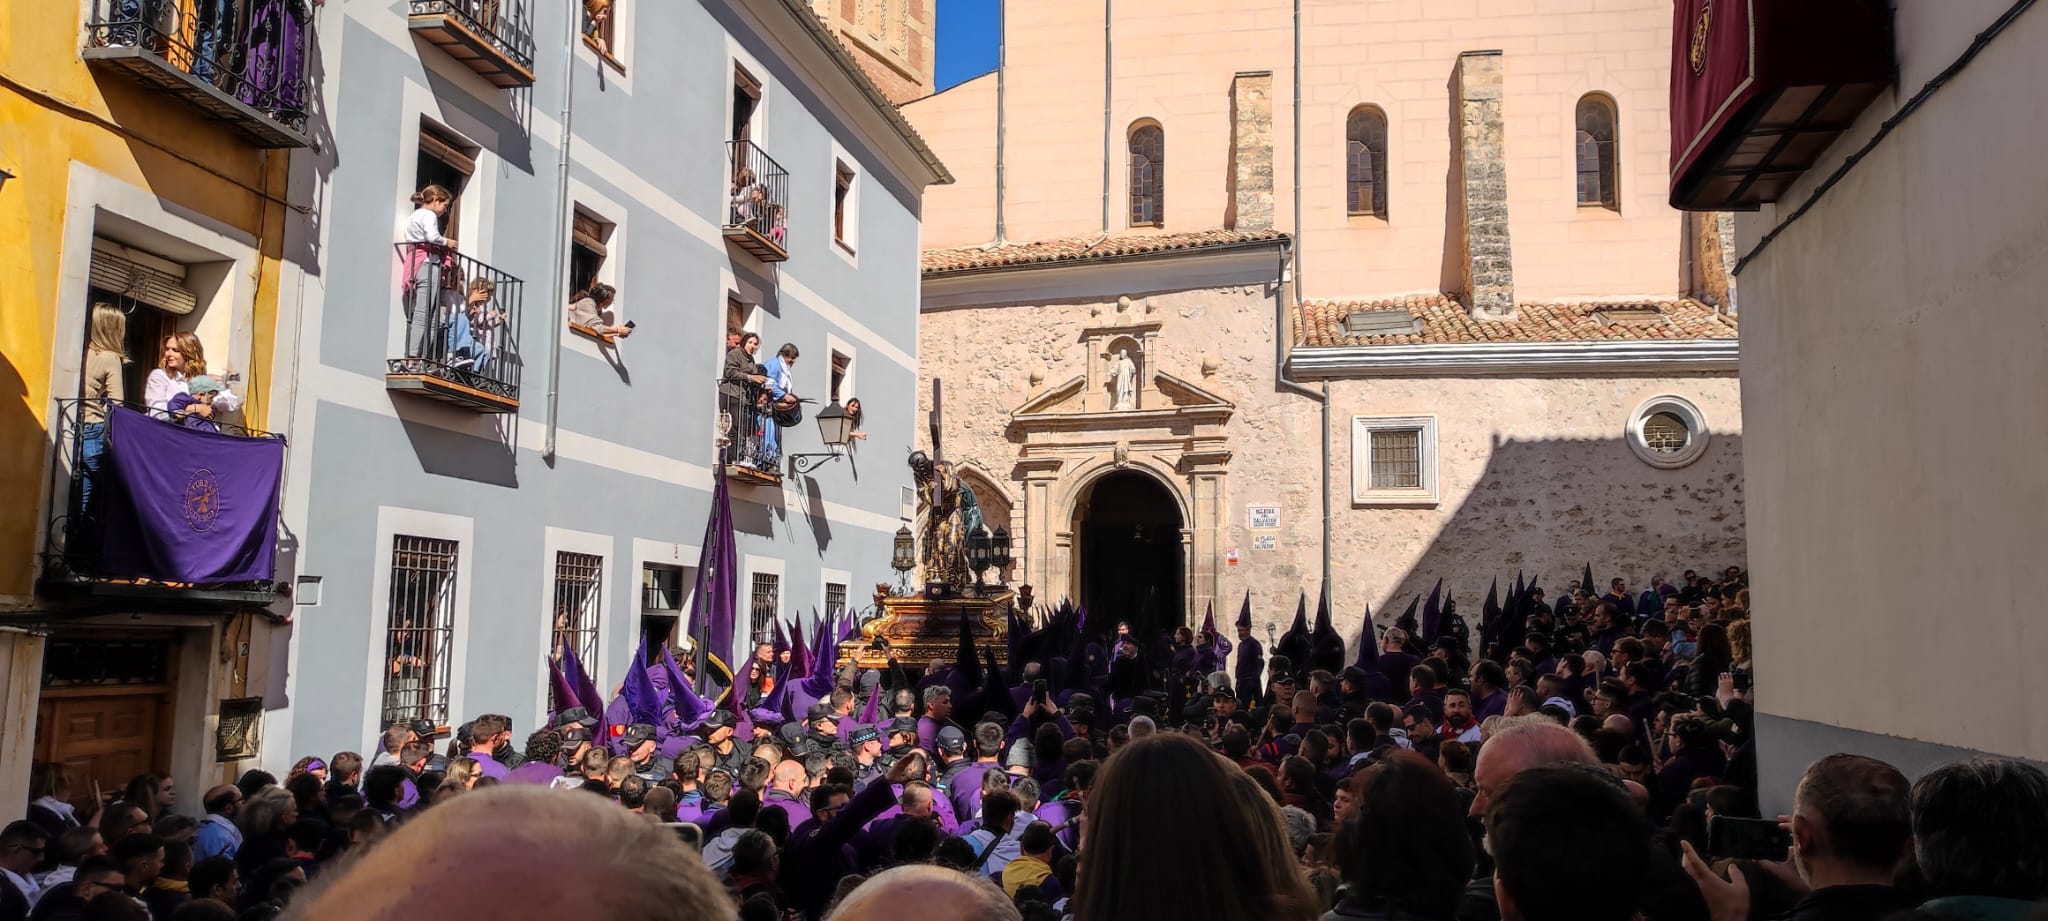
(163, 289)
(589, 233)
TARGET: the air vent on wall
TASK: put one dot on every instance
(1381, 323)
(1629, 316)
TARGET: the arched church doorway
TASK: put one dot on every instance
(1130, 554)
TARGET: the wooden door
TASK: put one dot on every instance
(108, 735)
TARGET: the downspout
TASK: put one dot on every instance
(561, 250)
(1283, 333)
(1108, 62)
(1002, 114)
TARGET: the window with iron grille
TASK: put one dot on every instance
(1366, 162)
(579, 600)
(661, 588)
(835, 599)
(419, 629)
(1596, 133)
(764, 602)
(1665, 433)
(1148, 176)
(1397, 459)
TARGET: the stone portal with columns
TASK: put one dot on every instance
(1072, 435)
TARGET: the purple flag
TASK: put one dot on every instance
(188, 506)
(800, 652)
(718, 574)
(643, 699)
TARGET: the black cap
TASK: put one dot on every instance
(638, 733)
(575, 717)
(425, 729)
(903, 724)
(863, 734)
(821, 711)
(951, 739)
(718, 718)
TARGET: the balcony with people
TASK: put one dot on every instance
(757, 216)
(165, 501)
(757, 400)
(492, 37)
(243, 64)
(461, 329)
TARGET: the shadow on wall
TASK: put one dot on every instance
(1550, 508)
(467, 457)
(21, 461)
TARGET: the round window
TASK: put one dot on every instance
(1668, 432)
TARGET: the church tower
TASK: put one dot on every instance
(892, 40)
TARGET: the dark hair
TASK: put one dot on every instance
(745, 336)
(1456, 756)
(788, 350)
(543, 745)
(1423, 675)
(130, 849)
(199, 909)
(1860, 805)
(1080, 775)
(1136, 866)
(958, 853)
(384, 785)
(1381, 716)
(307, 834)
(114, 906)
(916, 840)
(1600, 877)
(821, 795)
(774, 822)
(177, 859)
(988, 740)
(1980, 827)
(1236, 741)
(997, 808)
(1457, 692)
(1491, 672)
(1405, 851)
(252, 781)
(752, 852)
(1036, 839)
(208, 874)
(1713, 645)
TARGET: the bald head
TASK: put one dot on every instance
(1617, 722)
(1143, 726)
(1519, 743)
(790, 776)
(511, 846)
(940, 894)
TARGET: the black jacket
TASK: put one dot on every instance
(1851, 903)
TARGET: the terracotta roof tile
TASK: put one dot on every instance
(1445, 320)
(1085, 249)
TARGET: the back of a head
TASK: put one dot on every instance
(508, 848)
(938, 893)
(1406, 851)
(1599, 876)
(1142, 813)
(200, 909)
(1860, 805)
(1980, 827)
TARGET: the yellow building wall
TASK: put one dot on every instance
(56, 112)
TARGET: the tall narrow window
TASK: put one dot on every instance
(579, 599)
(1365, 160)
(842, 201)
(587, 252)
(841, 364)
(1596, 154)
(1148, 176)
(419, 627)
(746, 97)
(835, 599)
(766, 598)
(446, 161)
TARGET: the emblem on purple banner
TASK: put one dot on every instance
(202, 500)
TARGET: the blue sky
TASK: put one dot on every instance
(966, 40)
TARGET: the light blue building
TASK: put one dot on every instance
(503, 473)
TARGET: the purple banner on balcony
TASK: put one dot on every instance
(189, 506)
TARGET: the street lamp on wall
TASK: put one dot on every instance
(904, 557)
(835, 428)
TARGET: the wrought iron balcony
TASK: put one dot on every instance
(492, 37)
(148, 508)
(747, 444)
(756, 210)
(461, 330)
(248, 71)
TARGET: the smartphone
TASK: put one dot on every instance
(1742, 682)
(691, 834)
(632, 323)
(1038, 690)
(1747, 839)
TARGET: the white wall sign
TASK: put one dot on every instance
(1263, 516)
(1266, 542)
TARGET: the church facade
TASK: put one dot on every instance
(1423, 314)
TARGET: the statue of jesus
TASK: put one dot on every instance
(1124, 373)
(951, 515)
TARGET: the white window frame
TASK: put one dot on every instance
(832, 577)
(563, 540)
(391, 522)
(846, 244)
(1688, 413)
(751, 565)
(1362, 494)
(612, 273)
(665, 553)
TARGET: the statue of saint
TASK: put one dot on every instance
(1124, 373)
(950, 515)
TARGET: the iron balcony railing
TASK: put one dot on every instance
(746, 442)
(757, 206)
(237, 59)
(78, 494)
(495, 36)
(461, 321)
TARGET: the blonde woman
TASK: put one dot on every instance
(183, 360)
(1738, 644)
(595, 13)
(462, 774)
(105, 352)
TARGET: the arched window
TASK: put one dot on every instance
(1365, 162)
(1597, 182)
(1148, 176)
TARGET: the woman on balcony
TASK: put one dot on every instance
(184, 359)
(739, 389)
(427, 253)
(105, 353)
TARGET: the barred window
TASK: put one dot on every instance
(661, 588)
(1596, 132)
(835, 599)
(1148, 176)
(579, 599)
(765, 601)
(419, 628)
(1665, 433)
(1366, 162)
(1397, 459)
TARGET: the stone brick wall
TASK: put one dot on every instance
(1251, 156)
(1488, 275)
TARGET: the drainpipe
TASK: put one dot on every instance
(1002, 114)
(561, 250)
(1283, 337)
(1108, 60)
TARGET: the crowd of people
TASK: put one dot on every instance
(1584, 764)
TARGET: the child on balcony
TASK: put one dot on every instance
(471, 337)
(427, 253)
(201, 392)
(780, 228)
(744, 196)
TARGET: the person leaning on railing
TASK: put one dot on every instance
(739, 386)
(591, 309)
(184, 359)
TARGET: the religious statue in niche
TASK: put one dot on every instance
(951, 514)
(1123, 375)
